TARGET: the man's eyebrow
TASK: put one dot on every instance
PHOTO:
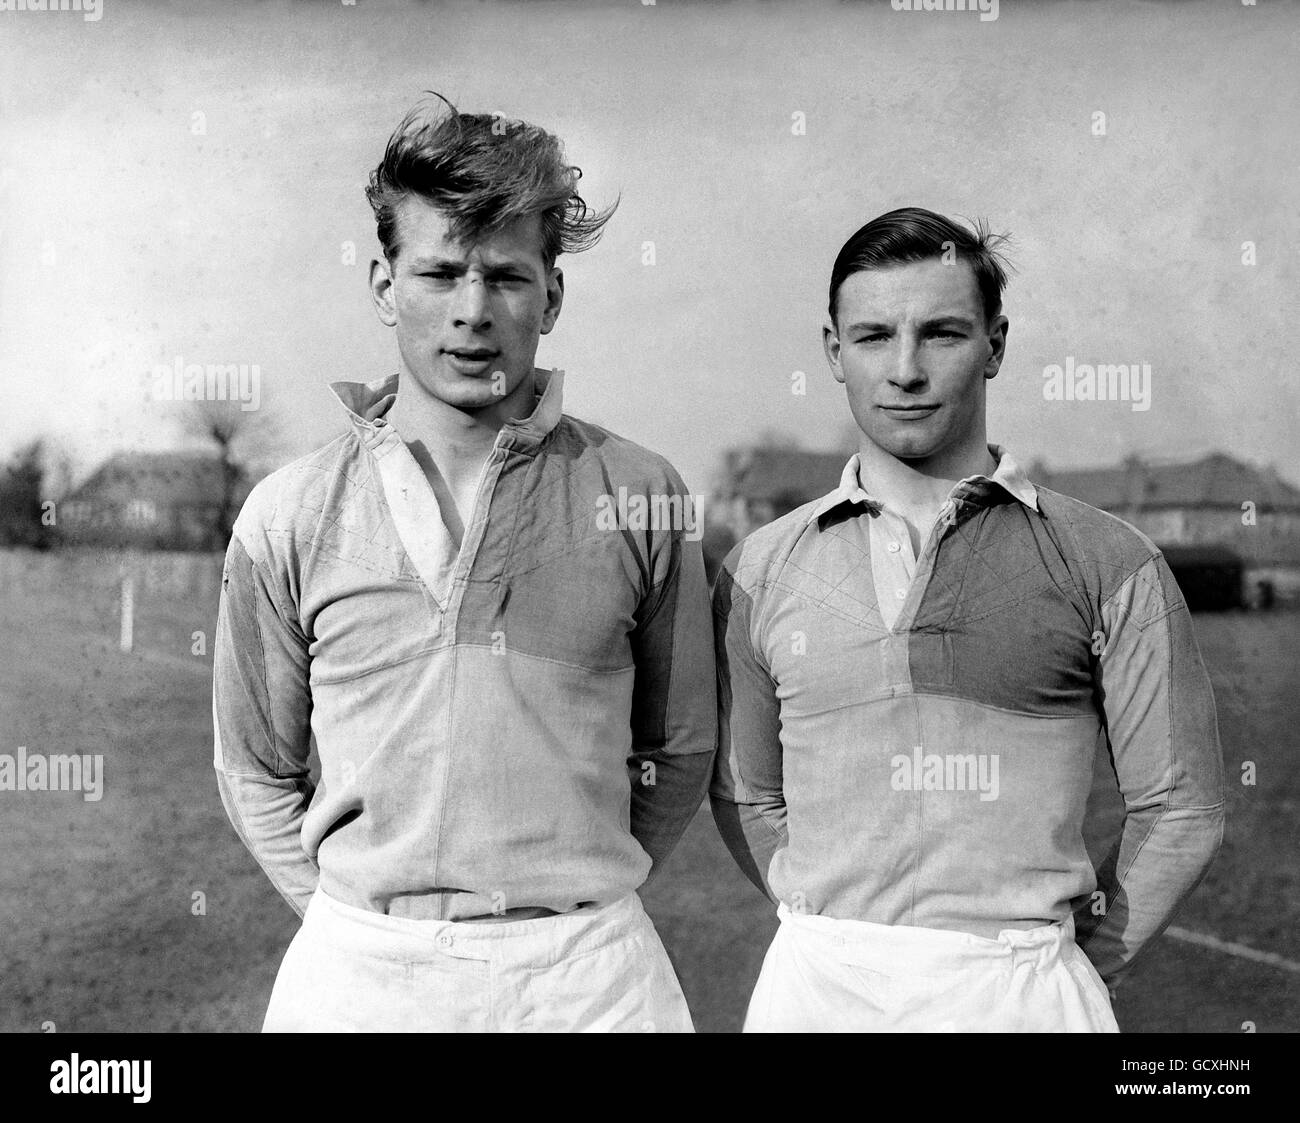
(930, 322)
(950, 318)
(437, 263)
(421, 264)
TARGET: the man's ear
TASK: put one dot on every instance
(997, 346)
(381, 290)
(831, 345)
(554, 298)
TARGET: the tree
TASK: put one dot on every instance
(235, 433)
(22, 493)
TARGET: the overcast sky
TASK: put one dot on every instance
(180, 180)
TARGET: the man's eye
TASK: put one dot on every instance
(439, 275)
(948, 335)
(875, 337)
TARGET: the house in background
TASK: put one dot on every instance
(1230, 531)
(154, 501)
(758, 485)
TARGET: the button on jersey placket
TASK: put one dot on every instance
(892, 564)
(946, 521)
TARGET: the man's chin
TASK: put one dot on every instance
(473, 395)
(466, 392)
(908, 447)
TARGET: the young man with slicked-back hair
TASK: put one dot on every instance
(914, 673)
(512, 703)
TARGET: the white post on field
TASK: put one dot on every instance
(128, 612)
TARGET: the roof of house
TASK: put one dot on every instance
(1215, 480)
(189, 479)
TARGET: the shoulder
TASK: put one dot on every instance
(293, 495)
(1111, 555)
(625, 463)
(758, 558)
(1095, 534)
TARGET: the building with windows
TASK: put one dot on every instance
(154, 501)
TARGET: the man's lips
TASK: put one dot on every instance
(911, 411)
(471, 362)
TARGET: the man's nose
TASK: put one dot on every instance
(470, 307)
(909, 374)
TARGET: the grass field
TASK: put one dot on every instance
(97, 899)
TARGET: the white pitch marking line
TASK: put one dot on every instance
(1241, 951)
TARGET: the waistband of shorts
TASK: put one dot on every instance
(545, 939)
(862, 942)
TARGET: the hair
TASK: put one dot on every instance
(912, 234)
(483, 171)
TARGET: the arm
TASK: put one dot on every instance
(261, 713)
(673, 727)
(746, 793)
(1164, 745)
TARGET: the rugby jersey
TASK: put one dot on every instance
(910, 740)
(519, 725)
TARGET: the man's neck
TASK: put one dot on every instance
(457, 441)
(917, 489)
(451, 445)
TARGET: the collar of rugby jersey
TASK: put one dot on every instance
(1008, 475)
(416, 513)
(368, 402)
